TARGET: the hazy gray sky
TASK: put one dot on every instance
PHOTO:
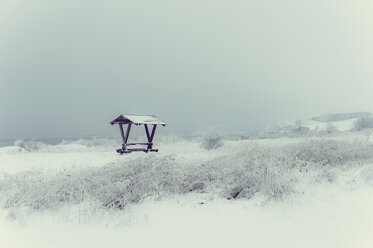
(69, 67)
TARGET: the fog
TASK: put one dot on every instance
(67, 68)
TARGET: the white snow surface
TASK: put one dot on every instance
(338, 214)
(330, 218)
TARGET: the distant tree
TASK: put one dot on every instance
(212, 141)
(364, 122)
(330, 128)
(298, 123)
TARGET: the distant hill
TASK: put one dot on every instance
(323, 124)
(340, 116)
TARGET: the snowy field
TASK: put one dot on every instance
(286, 192)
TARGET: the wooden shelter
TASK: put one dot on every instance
(137, 120)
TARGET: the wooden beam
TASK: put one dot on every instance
(133, 144)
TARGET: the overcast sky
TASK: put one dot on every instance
(69, 67)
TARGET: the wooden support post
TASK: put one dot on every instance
(150, 146)
(153, 132)
(147, 132)
(125, 137)
(150, 136)
(128, 131)
(122, 134)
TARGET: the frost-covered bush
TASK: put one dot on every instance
(115, 185)
(331, 152)
(364, 122)
(118, 185)
(260, 176)
(274, 171)
(268, 170)
(29, 145)
(212, 141)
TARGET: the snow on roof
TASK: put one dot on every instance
(138, 119)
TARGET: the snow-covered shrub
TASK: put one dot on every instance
(331, 152)
(121, 184)
(115, 185)
(274, 171)
(29, 145)
(212, 141)
(364, 122)
(260, 169)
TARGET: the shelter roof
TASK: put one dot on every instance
(138, 120)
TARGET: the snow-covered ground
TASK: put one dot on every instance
(332, 217)
(327, 206)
